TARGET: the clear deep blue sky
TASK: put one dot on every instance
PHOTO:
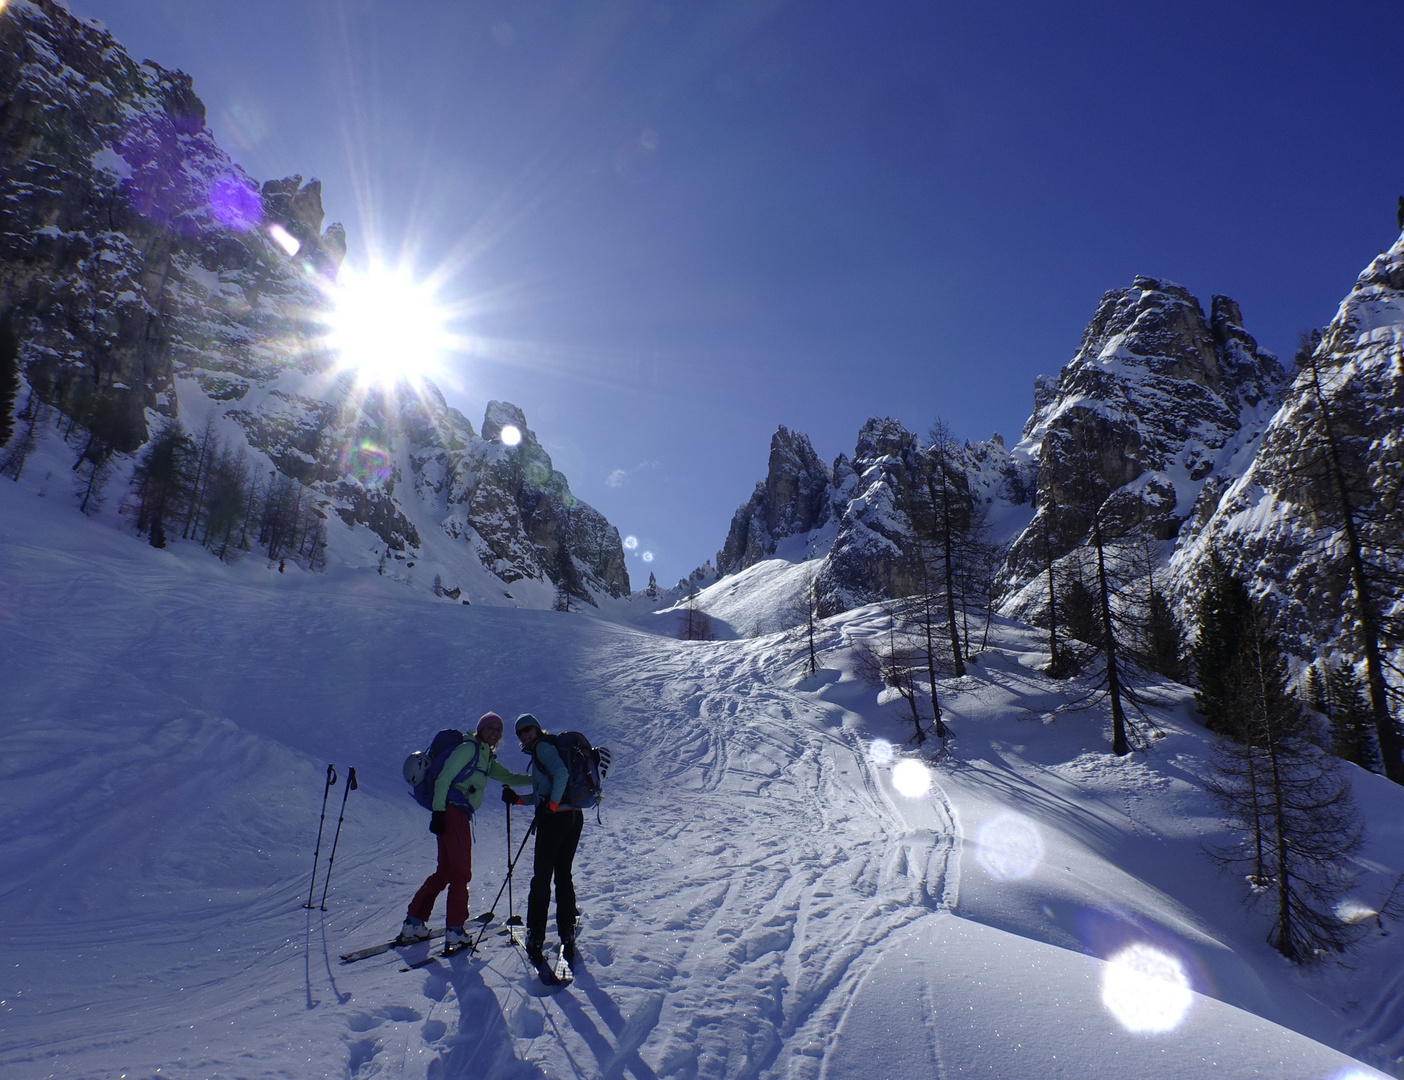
(684, 223)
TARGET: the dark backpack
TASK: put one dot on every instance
(422, 769)
(587, 766)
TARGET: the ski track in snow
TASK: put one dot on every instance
(800, 895)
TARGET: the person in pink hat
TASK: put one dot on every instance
(458, 793)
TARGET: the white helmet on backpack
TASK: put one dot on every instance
(416, 766)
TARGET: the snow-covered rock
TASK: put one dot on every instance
(1158, 404)
(1278, 526)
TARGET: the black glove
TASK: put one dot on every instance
(438, 823)
(510, 797)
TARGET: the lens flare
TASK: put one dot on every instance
(510, 435)
(285, 240)
(1353, 911)
(648, 556)
(912, 779)
(1146, 989)
(368, 463)
(386, 328)
(1010, 846)
(881, 752)
(631, 542)
(236, 204)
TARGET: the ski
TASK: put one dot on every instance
(376, 950)
(450, 950)
(556, 974)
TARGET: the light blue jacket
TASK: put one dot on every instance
(548, 774)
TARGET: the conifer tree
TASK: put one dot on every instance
(159, 481)
(9, 375)
(1223, 618)
(1340, 697)
(1285, 799)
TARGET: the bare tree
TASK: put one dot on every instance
(1368, 603)
(696, 624)
(811, 616)
(31, 417)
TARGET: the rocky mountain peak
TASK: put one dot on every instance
(792, 499)
(1157, 400)
(501, 414)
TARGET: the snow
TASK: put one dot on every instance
(760, 901)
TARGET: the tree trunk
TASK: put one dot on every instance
(1367, 617)
(1120, 747)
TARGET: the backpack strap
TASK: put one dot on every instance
(464, 773)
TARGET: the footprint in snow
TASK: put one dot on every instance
(526, 1022)
(602, 954)
(433, 1030)
(362, 1053)
(362, 1022)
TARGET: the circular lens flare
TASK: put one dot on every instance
(1146, 989)
(510, 435)
(386, 328)
(911, 778)
(1010, 846)
(631, 542)
(881, 752)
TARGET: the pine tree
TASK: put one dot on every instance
(1079, 611)
(1164, 638)
(1286, 800)
(9, 375)
(1352, 723)
(159, 481)
(1224, 615)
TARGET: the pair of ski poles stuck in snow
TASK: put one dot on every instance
(317, 854)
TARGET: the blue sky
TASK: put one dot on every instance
(682, 224)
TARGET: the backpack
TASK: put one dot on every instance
(586, 764)
(422, 769)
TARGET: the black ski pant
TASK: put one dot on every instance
(557, 836)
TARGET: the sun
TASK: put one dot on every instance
(386, 328)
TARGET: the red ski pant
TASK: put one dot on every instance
(455, 870)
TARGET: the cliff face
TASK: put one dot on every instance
(1279, 526)
(791, 500)
(130, 244)
(1159, 405)
(144, 275)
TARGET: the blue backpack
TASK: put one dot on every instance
(422, 769)
(586, 764)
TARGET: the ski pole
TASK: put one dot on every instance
(511, 917)
(511, 865)
(350, 787)
(331, 782)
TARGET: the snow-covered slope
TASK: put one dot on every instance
(762, 899)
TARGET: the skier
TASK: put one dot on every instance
(452, 826)
(557, 836)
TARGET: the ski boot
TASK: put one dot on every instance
(411, 931)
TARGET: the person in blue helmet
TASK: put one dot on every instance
(558, 828)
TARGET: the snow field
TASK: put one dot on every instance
(761, 901)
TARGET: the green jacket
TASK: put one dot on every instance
(474, 785)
